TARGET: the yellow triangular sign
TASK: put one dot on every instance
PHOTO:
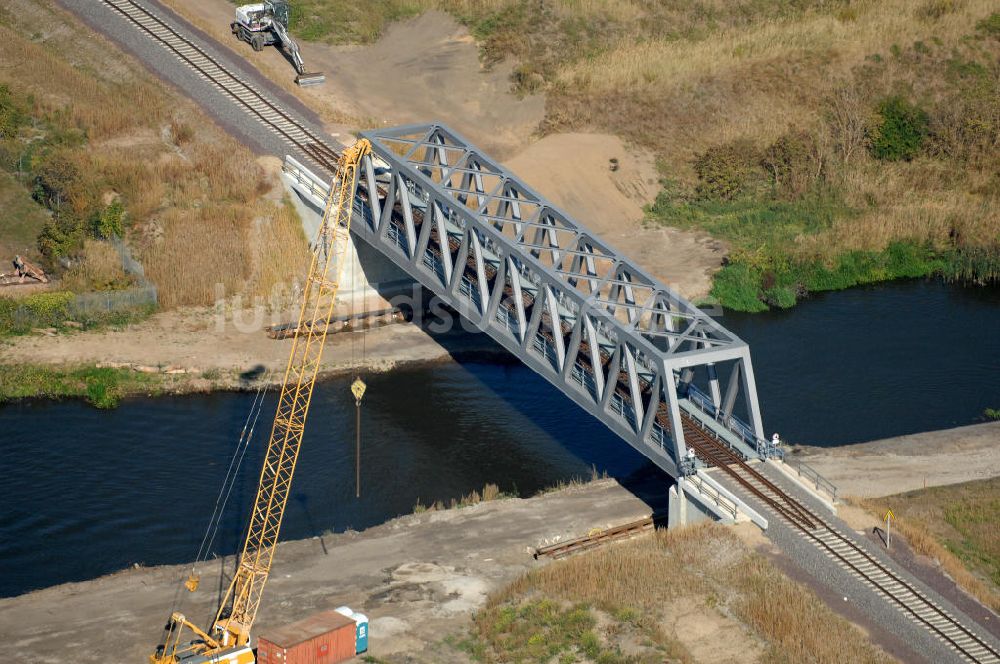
(358, 389)
(889, 515)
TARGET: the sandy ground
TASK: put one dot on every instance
(427, 69)
(905, 463)
(610, 203)
(418, 578)
(234, 343)
(424, 69)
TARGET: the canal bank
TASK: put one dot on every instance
(906, 463)
(201, 350)
(419, 577)
(842, 368)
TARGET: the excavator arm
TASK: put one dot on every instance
(230, 631)
(289, 45)
(279, 24)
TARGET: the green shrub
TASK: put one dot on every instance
(49, 305)
(899, 131)
(737, 286)
(63, 235)
(62, 179)
(794, 164)
(110, 221)
(783, 297)
(19, 316)
(728, 171)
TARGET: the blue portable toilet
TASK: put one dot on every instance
(360, 626)
(361, 644)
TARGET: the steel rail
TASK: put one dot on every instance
(259, 106)
(587, 542)
(920, 608)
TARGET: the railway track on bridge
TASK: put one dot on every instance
(861, 564)
(256, 104)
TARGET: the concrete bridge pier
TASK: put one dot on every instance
(369, 281)
(699, 497)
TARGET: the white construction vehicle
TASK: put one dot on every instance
(265, 23)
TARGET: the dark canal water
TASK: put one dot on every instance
(87, 492)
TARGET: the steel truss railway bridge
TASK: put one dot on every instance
(624, 346)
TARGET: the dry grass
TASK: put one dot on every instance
(490, 492)
(819, 71)
(843, 39)
(195, 198)
(100, 268)
(707, 565)
(249, 250)
(958, 526)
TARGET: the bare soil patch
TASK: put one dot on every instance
(905, 463)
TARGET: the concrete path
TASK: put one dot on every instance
(905, 463)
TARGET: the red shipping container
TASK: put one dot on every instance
(323, 638)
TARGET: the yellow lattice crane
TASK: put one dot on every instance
(227, 640)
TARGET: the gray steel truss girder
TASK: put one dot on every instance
(593, 324)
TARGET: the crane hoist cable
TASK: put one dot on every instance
(232, 483)
(228, 637)
(358, 385)
(192, 579)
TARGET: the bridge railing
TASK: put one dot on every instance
(808, 472)
(715, 434)
(763, 447)
(709, 492)
(704, 403)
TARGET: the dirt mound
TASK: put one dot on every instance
(605, 185)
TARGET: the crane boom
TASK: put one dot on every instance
(230, 631)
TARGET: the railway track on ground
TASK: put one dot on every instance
(919, 608)
(257, 105)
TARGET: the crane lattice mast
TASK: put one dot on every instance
(238, 609)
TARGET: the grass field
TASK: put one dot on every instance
(100, 387)
(958, 525)
(105, 147)
(830, 142)
(21, 219)
(630, 602)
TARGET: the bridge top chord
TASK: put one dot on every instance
(592, 275)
